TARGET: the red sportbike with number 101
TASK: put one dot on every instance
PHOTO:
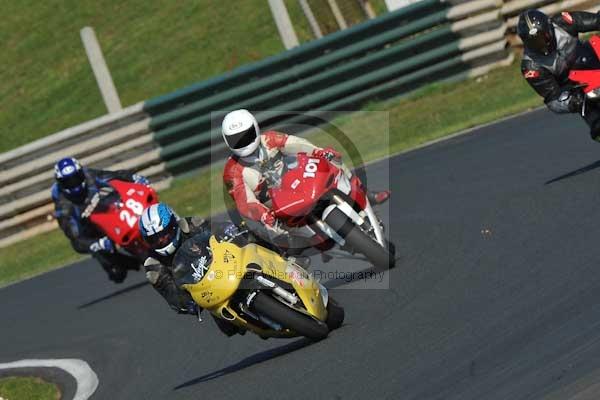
(317, 201)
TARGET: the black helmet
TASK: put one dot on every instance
(536, 31)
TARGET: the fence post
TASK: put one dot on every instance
(101, 72)
(312, 21)
(284, 24)
(339, 18)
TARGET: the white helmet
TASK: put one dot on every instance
(241, 132)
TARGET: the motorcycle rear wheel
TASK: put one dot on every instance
(269, 307)
(379, 256)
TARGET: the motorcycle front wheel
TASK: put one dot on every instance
(287, 317)
(379, 256)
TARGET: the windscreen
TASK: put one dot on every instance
(192, 259)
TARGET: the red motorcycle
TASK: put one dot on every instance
(317, 201)
(116, 209)
(587, 70)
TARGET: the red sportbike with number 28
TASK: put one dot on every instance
(116, 210)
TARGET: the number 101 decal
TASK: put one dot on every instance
(311, 168)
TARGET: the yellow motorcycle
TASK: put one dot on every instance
(255, 288)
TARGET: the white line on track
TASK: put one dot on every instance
(87, 380)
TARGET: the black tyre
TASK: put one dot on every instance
(379, 256)
(335, 314)
(267, 306)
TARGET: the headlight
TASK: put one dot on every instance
(324, 294)
(594, 94)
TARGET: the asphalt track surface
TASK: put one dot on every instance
(496, 295)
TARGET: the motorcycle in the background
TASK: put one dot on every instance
(115, 210)
(317, 202)
(255, 289)
(586, 73)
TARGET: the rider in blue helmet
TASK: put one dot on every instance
(165, 232)
(70, 179)
(74, 187)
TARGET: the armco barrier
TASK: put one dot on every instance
(383, 57)
(291, 58)
(276, 86)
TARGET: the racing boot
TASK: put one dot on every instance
(376, 198)
(116, 274)
(228, 328)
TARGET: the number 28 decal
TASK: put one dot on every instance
(136, 209)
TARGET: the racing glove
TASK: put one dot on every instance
(142, 180)
(231, 230)
(569, 101)
(576, 99)
(328, 153)
(268, 218)
(102, 244)
(272, 224)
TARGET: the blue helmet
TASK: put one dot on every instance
(70, 178)
(159, 226)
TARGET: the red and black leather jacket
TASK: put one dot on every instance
(548, 75)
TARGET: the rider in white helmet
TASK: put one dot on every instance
(244, 171)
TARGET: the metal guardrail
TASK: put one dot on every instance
(383, 57)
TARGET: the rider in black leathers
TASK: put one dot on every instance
(165, 232)
(552, 49)
(84, 236)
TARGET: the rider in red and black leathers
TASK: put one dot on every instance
(552, 49)
(85, 237)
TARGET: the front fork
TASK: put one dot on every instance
(355, 217)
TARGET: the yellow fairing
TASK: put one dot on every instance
(228, 268)
(222, 278)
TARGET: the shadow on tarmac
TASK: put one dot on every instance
(114, 294)
(248, 362)
(582, 170)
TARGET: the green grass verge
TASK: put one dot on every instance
(151, 48)
(15, 388)
(433, 112)
(327, 20)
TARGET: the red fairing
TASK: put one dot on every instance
(589, 78)
(303, 186)
(119, 221)
(233, 179)
(358, 193)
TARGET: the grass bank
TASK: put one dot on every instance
(15, 388)
(151, 48)
(433, 112)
